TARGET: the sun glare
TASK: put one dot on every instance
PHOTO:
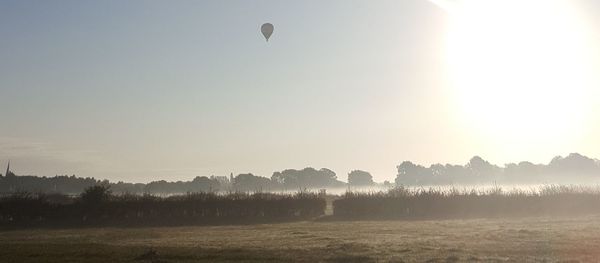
(518, 69)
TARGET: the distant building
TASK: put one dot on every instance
(8, 171)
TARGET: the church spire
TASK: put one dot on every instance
(7, 169)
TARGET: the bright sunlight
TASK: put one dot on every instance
(518, 69)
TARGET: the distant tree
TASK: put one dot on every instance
(438, 174)
(306, 178)
(523, 172)
(328, 175)
(410, 173)
(204, 184)
(223, 181)
(161, 186)
(250, 182)
(96, 194)
(573, 169)
(574, 164)
(456, 173)
(360, 178)
(484, 171)
(479, 166)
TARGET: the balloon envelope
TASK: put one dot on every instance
(267, 30)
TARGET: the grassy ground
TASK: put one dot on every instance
(486, 240)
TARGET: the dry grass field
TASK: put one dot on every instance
(475, 240)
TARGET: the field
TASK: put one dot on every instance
(476, 240)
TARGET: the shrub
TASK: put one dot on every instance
(98, 206)
(404, 203)
(96, 194)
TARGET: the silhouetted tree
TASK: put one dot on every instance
(360, 178)
(96, 194)
(250, 182)
(410, 173)
(575, 164)
(575, 168)
(306, 178)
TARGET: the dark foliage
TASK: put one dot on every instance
(360, 178)
(574, 168)
(95, 195)
(306, 178)
(432, 203)
(96, 206)
(57, 184)
(250, 182)
(287, 180)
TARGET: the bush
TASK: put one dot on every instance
(96, 194)
(403, 203)
(98, 206)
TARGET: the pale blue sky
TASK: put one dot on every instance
(148, 90)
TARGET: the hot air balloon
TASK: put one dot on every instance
(267, 30)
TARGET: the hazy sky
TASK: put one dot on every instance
(148, 90)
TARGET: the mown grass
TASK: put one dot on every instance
(561, 237)
(555, 239)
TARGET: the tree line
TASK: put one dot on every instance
(286, 180)
(572, 169)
